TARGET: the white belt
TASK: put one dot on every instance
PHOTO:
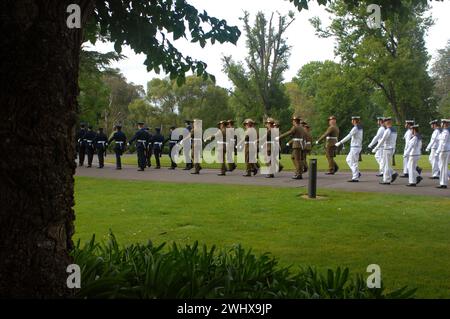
(308, 142)
(251, 142)
(159, 143)
(197, 139)
(103, 142)
(297, 139)
(120, 142)
(141, 141)
(89, 141)
(220, 142)
(331, 138)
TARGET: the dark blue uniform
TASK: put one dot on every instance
(149, 150)
(141, 137)
(101, 143)
(172, 143)
(119, 146)
(89, 147)
(158, 142)
(81, 145)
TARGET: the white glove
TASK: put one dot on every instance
(317, 143)
(369, 147)
(338, 144)
(128, 144)
(287, 144)
(427, 150)
(374, 150)
(277, 138)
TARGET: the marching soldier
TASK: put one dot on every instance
(119, 147)
(196, 146)
(298, 135)
(149, 149)
(186, 149)
(268, 143)
(221, 138)
(101, 143)
(444, 153)
(141, 137)
(81, 144)
(308, 145)
(250, 146)
(356, 135)
(233, 141)
(406, 137)
(331, 135)
(158, 142)
(377, 137)
(412, 152)
(172, 143)
(89, 138)
(280, 168)
(387, 143)
(432, 148)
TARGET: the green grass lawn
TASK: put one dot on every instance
(368, 163)
(408, 236)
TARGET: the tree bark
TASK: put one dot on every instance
(39, 63)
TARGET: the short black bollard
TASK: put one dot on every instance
(312, 183)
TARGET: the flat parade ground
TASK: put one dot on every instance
(396, 227)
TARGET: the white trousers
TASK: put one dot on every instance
(443, 168)
(353, 161)
(412, 172)
(387, 169)
(379, 159)
(405, 164)
(434, 161)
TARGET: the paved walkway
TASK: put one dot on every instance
(369, 182)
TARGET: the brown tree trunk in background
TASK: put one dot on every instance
(39, 74)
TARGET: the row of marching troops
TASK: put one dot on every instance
(300, 142)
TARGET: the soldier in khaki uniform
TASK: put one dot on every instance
(308, 145)
(331, 135)
(250, 167)
(298, 139)
(280, 168)
(267, 143)
(222, 140)
(198, 144)
(233, 141)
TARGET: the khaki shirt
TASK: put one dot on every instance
(331, 135)
(298, 135)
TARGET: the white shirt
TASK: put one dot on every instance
(388, 140)
(414, 146)
(434, 140)
(444, 141)
(356, 134)
(408, 135)
(377, 137)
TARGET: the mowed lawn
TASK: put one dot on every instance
(408, 236)
(368, 163)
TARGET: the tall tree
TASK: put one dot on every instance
(393, 58)
(268, 55)
(441, 76)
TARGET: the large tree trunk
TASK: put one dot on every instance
(39, 74)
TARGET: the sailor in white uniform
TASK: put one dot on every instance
(406, 137)
(356, 135)
(432, 148)
(444, 153)
(377, 137)
(412, 152)
(387, 143)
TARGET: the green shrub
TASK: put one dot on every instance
(148, 271)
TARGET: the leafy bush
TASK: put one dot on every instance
(148, 271)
